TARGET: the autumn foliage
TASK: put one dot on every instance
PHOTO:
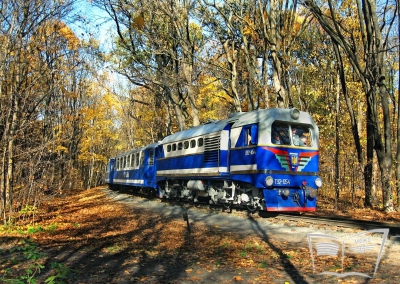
(68, 102)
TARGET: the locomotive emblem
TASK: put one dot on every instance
(294, 162)
(294, 159)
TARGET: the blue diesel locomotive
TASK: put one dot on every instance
(261, 160)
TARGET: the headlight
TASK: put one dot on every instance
(269, 180)
(318, 182)
(285, 192)
(295, 113)
(311, 193)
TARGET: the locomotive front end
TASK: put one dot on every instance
(290, 162)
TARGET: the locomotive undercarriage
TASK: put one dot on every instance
(226, 193)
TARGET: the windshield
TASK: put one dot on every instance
(291, 134)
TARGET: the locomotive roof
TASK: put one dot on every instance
(268, 116)
(150, 146)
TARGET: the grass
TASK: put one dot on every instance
(29, 255)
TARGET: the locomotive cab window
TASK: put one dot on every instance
(250, 134)
(280, 134)
(291, 134)
(301, 135)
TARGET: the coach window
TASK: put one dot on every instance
(137, 160)
(168, 148)
(141, 158)
(174, 147)
(180, 146)
(186, 144)
(117, 163)
(151, 157)
(132, 161)
(200, 142)
(192, 143)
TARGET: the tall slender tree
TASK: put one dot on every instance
(369, 66)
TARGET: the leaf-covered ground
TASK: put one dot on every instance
(86, 237)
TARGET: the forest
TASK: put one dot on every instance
(79, 86)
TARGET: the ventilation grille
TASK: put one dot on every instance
(211, 150)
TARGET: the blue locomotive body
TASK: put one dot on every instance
(264, 159)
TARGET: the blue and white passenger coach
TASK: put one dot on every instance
(265, 159)
(135, 169)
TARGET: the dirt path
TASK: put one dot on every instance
(105, 237)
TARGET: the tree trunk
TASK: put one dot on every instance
(398, 119)
(250, 70)
(384, 149)
(368, 198)
(398, 135)
(337, 142)
(3, 195)
(232, 62)
(187, 71)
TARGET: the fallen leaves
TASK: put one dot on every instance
(89, 222)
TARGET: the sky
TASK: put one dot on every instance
(94, 21)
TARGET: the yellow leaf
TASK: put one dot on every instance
(138, 22)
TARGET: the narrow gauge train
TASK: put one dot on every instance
(260, 160)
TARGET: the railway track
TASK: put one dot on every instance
(394, 229)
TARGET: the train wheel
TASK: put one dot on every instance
(251, 208)
(150, 193)
(228, 206)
